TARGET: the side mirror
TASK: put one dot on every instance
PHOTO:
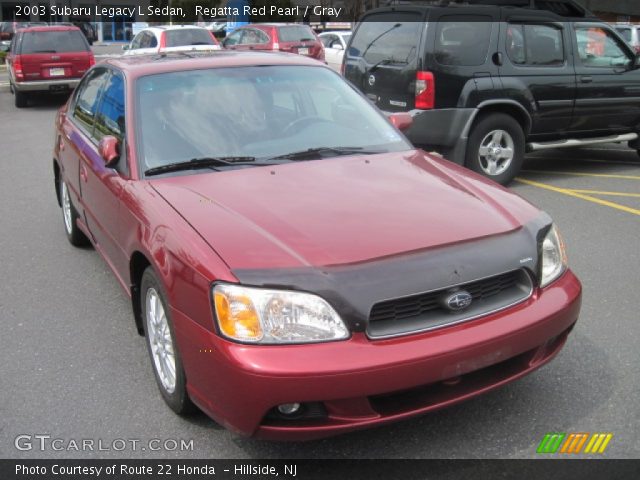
(126, 47)
(402, 121)
(636, 61)
(108, 148)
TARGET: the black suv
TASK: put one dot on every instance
(485, 83)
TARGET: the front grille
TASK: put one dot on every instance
(425, 311)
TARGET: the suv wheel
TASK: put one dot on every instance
(20, 99)
(496, 147)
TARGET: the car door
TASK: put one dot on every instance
(608, 81)
(76, 130)
(539, 71)
(100, 187)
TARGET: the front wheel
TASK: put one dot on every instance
(496, 148)
(70, 217)
(161, 344)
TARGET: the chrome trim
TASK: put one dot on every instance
(457, 322)
(573, 142)
(43, 85)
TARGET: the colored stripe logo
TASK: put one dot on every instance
(574, 443)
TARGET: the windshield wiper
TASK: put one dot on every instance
(312, 153)
(204, 162)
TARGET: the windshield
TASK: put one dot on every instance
(262, 112)
(295, 33)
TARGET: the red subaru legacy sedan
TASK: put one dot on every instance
(297, 267)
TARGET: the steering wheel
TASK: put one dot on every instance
(302, 122)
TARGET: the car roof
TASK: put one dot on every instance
(140, 65)
(557, 9)
(164, 28)
(50, 28)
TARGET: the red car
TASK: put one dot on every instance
(47, 59)
(291, 38)
(297, 267)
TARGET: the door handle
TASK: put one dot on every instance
(83, 173)
(586, 79)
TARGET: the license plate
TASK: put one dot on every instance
(56, 72)
(58, 88)
(303, 51)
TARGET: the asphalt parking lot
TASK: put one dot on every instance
(73, 367)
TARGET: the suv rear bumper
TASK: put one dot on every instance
(45, 85)
(448, 128)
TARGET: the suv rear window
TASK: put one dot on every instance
(188, 36)
(61, 41)
(463, 41)
(393, 38)
(295, 33)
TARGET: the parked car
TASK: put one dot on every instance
(172, 38)
(291, 38)
(8, 29)
(335, 44)
(47, 59)
(485, 84)
(631, 34)
(273, 229)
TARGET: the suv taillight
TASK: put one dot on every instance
(92, 60)
(17, 69)
(425, 90)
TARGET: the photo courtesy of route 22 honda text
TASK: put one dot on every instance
(298, 268)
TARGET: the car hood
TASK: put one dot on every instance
(341, 210)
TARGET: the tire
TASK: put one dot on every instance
(69, 216)
(161, 345)
(496, 147)
(20, 99)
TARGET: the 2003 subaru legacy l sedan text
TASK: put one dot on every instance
(298, 269)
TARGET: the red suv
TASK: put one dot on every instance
(292, 38)
(47, 59)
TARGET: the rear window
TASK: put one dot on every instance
(392, 38)
(463, 41)
(188, 36)
(295, 33)
(53, 42)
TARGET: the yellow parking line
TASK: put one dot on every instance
(581, 174)
(581, 196)
(613, 194)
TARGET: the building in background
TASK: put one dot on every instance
(117, 29)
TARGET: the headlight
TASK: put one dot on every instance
(259, 315)
(554, 257)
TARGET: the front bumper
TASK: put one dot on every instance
(46, 85)
(363, 383)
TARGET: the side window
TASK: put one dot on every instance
(153, 41)
(110, 114)
(598, 47)
(535, 45)
(87, 99)
(234, 38)
(327, 40)
(135, 44)
(463, 40)
(625, 32)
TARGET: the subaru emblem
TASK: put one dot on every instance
(372, 80)
(458, 300)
